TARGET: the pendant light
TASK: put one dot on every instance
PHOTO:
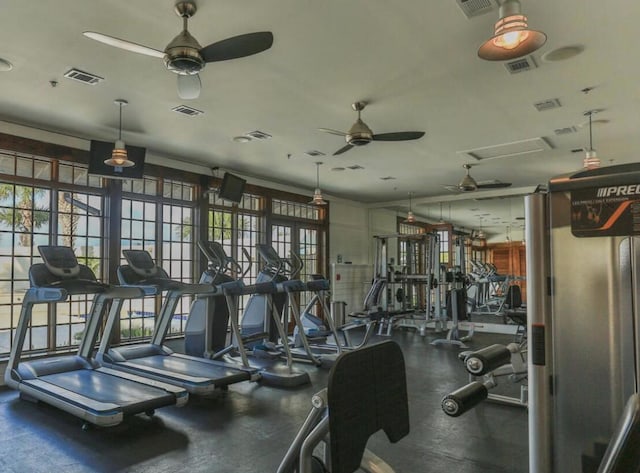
(119, 158)
(481, 235)
(317, 194)
(410, 217)
(512, 37)
(591, 160)
(441, 219)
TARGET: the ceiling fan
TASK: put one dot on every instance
(184, 55)
(469, 184)
(360, 134)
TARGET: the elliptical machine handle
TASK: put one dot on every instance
(295, 265)
(249, 260)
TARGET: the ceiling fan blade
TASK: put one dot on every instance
(494, 185)
(237, 46)
(452, 188)
(333, 132)
(399, 136)
(343, 149)
(122, 44)
(189, 86)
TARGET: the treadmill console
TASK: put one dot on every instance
(141, 262)
(61, 261)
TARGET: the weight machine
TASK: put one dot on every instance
(410, 295)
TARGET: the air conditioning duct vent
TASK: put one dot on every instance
(186, 110)
(522, 64)
(547, 105)
(259, 135)
(473, 8)
(84, 77)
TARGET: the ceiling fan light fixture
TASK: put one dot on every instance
(182, 55)
(512, 37)
(467, 183)
(119, 157)
(359, 134)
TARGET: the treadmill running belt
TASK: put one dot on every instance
(110, 389)
(190, 367)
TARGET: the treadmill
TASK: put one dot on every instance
(154, 360)
(76, 383)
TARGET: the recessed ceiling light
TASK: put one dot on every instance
(241, 139)
(563, 53)
(5, 65)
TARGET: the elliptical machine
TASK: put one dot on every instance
(206, 327)
(206, 330)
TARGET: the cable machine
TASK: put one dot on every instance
(411, 295)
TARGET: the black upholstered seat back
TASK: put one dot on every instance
(367, 392)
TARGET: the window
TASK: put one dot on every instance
(238, 229)
(158, 216)
(36, 209)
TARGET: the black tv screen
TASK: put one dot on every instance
(101, 150)
(231, 188)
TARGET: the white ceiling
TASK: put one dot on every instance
(414, 61)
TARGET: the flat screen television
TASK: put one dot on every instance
(101, 150)
(231, 188)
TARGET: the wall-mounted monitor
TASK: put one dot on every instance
(231, 188)
(101, 150)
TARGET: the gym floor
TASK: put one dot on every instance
(249, 428)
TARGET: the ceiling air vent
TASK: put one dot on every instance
(185, 110)
(522, 64)
(355, 167)
(387, 178)
(84, 77)
(547, 105)
(578, 150)
(314, 153)
(565, 131)
(259, 135)
(473, 8)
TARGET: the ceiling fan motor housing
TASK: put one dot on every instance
(359, 134)
(182, 55)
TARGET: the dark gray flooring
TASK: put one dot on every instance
(249, 429)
